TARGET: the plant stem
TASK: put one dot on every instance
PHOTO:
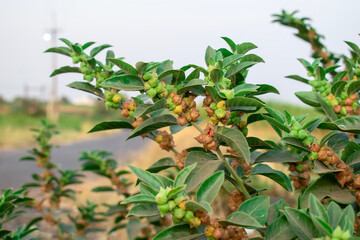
(235, 176)
(197, 127)
(174, 150)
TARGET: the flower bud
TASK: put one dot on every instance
(164, 208)
(220, 113)
(189, 215)
(151, 92)
(302, 134)
(179, 213)
(153, 82)
(147, 76)
(172, 204)
(161, 197)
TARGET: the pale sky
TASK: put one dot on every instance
(156, 30)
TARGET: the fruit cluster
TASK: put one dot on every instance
(297, 131)
(128, 109)
(154, 88)
(215, 231)
(207, 139)
(176, 206)
(180, 159)
(321, 86)
(165, 140)
(185, 107)
(218, 113)
(113, 99)
(237, 121)
(235, 200)
(344, 105)
(337, 234)
(300, 174)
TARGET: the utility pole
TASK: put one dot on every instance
(52, 112)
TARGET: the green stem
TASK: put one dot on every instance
(235, 176)
(197, 127)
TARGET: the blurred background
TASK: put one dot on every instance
(139, 30)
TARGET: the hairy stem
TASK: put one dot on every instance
(197, 127)
(235, 176)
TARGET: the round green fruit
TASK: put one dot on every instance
(179, 213)
(189, 215)
(151, 92)
(220, 113)
(161, 197)
(154, 82)
(147, 76)
(164, 208)
(302, 134)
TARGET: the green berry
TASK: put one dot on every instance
(108, 104)
(334, 102)
(178, 199)
(115, 105)
(164, 208)
(153, 82)
(161, 197)
(344, 95)
(296, 126)
(308, 141)
(294, 133)
(172, 204)
(176, 220)
(220, 113)
(302, 134)
(343, 111)
(131, 114)
(179, 213)
(189, 215)
(337, 232)
(213, 106)
(169, 88)
(116, 98)
(147, 86)
(147, 76)
(151, 92)
(109, 95)
(75, 59)
(160, 88)
(313, 156)
(299, 168)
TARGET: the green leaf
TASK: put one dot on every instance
(206, 165)
(334, 212)
(321, 168)
(317, 209)
(191, 84)
(177, 75)
(147, 189)
(278, 156)
(143, 109)
(308, 98)
(243, 102)
(165, 180)
(139, 199)
(328, 136)
(338, 141)
(86, 87)
(312, 124)
(265, 88)
(257, 143)
(326, 108)
(144, 210)
(238, 68)
(194, 206)
(66, 69)
(127, 68)
(301, 224)
(354, 87)
(86, 45)
(103, 189)
(210, 53)
(98, 49)
(257, 207)
(354, 47)
(179, 232)
(252, 58)
(230, 42)
(279, 229)
(347, 124)
(241, 219)
(321, 225)
(133, 228)
(213, 93)
(338, 88)
(62, 50)
(234, 139)
(245, 47)
(277, 176)
(147, 177)
(173, 192)
(327, 186)
(276, 123)
(348, 212)
(295, 142)
(231, 59)
(209, 189)
(153, 123)
(298, 78)
(124, 82)
(216, 75)
(124, 123)
(162, 164)
(183, 175)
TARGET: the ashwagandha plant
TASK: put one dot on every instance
(324, 172)
(11, 204)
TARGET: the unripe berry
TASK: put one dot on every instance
(172, 204)
(159, 139)
(179, 213)
(151, 92)
(195, 222)
(343, 111)
(182, 205)
(161, 197)
(164, 208)
(178, 199)
(294, 133)
(176, 220)
(131, 114)
(108, 104)
(189, 215)
(213, 106)
(209, 230)
(109, 95)
(147, 86)
(160, 88)
(299, 168)
(147, 76)
(220, 113)
(75, 59)
(116, 98)
(308, 141)
(302, 134)
(153, 82)
(115, 105)
(221, 105)
(334, 102)
(337, 232)
(178, 109)
(313, 156)
(296, 126)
